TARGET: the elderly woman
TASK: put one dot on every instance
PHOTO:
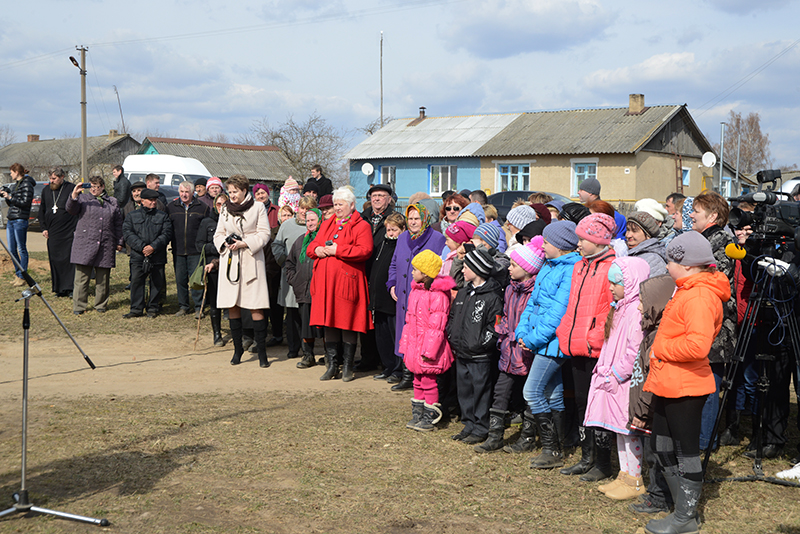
(242, 233)
(418, 236)
(339, 294)
(98, 237)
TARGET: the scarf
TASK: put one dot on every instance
(237, 210)
(423, 214)
(100, 198)
(309, 237)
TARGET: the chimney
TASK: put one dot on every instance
(418, 119)
(112, 134)
(636, 104)
(32, 138)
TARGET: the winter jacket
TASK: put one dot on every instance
(744, 287)
(547, 305)
(379, 298)
(298, 274)
(622, 225)
(609, 392)
(147, 227)
(679, 365)
(122, 191)
(654, 293)
(19, 204)
(424, 344)
(514, 360)
(503, 244)
(98, 232)
(378, 232)
(205, 237)
(473, 316)
(725, 343)
(185, 223)
(654, 253)
(339, 285)
(501, 263)
(400, 271)
(290, 231)
(581, 330)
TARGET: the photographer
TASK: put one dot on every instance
(19, 197)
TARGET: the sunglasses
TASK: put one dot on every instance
(452, 208)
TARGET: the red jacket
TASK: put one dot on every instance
(581, 332)
(424, 344)
(339, 295)
(679, 364)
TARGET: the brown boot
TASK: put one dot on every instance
(630, 488)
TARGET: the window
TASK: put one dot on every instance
(686, 178)
(443, 178)
(582, 170)
(725, 186)
(514, 177)
(389, 175)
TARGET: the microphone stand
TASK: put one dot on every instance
(22, 502)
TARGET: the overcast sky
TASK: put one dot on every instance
(198, 68)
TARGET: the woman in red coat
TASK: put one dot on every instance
(339, 294)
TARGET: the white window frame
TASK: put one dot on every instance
(686, 176)
(450, 185)
(388, 174)
(498, 177)
(725, 186)
(574, 177)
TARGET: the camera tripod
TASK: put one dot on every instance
(769, 292)
(22, 502)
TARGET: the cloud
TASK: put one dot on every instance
(494, 29)
(294, 10)
(745, 7)
(661, 67)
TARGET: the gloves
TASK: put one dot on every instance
(774, 267)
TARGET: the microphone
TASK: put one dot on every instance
(734, 251)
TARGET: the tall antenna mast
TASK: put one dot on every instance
(381, 79)
(120, 110)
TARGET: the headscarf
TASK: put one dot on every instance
(309, 237)
(423, 214)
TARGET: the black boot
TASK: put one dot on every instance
(417, 407)
(527, 437)
(260, 331)
(330, 361)
(216, 326)
(683, 520)
(407, 382)
(602, 458)
(236, 336)
(431, 414)
(308, 356)
(497, 427)
(551, 455)
(587, 454)
(560, 422)
(730, 436)
(349, 357)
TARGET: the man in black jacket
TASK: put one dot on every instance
(19, 197)
(147, 231)
(324, 185)
(122, 186)
(186, 212)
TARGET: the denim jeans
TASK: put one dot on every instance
(544, 388)
(17, 237)
(184, 267)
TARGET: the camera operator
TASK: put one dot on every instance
(19, 197)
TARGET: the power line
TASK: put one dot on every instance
(100, 92)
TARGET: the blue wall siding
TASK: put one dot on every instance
(413, 175)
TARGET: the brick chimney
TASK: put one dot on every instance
(420, 118)
(636, 104)
(32, 138)
(112, 134)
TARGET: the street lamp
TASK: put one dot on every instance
(82, 68)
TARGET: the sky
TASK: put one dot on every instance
(196, 69)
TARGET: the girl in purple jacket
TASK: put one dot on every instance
(426, 351)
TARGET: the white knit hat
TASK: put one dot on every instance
(653, 207)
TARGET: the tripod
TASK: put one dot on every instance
(776, 294)
(22, 501)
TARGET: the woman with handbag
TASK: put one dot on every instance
(241, 235)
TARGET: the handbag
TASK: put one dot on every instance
(197, 280)
(147, 266)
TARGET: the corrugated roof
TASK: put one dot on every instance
(47, 152)
(433, 137)
(225, 160)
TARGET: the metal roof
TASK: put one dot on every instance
(62, 152)
(224, 160)
(433, 137)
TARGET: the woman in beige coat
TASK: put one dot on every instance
(242, 233)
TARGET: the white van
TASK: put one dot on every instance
(171, 170)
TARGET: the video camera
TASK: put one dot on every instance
(774, 219)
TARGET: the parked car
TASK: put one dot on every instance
(37, 201)
(503, 201)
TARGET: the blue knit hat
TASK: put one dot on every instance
(561, 234)
(489, 233)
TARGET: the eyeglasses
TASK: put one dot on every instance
(452, 208)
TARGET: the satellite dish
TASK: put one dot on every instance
(367, 168)
(709, 159)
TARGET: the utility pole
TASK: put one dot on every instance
(721, 152)
(82, 67)
(120, 109)
(381, 79)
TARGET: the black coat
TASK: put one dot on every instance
(378, 232)
(122, 191)
(379, 298)
(185, 223)
(298, 274)
(205, 236)
(473, 316)
(144, 227)
(324, 185)
(19, 203)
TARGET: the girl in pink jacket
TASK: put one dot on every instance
(426, 351)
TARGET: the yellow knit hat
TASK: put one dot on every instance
(428, 263)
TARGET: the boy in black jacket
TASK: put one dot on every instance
(471, 331)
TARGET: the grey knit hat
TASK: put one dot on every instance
(561, 234)
(591, 186)
(645, 221)
(521, 216)
(690, 249)
(480, 261)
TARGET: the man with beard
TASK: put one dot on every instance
(58, 228)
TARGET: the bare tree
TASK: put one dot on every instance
(305, 144)
(755, 153)
(7, 135)
(375, 125)
(216, 138)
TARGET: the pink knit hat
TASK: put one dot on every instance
(214, 181)
(290, 184)
(531, 256)
(460, 232)
(598, 228)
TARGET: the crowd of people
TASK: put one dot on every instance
(591, 328)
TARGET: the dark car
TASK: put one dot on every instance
(35, 203)
(503, 201)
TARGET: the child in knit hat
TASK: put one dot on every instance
(426, 351)
(581, 335)
(457, 234)
(515, 361)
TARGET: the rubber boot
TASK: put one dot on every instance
(417, 407)
(587, 454)
(330, 361)
(431, 414)
(560, 422)
(308, 356)
(602, 460)
(497, 427)
(349, 356)
(407, 382)
(527, 437)
(551, 455)
(730, 436)
(260, 331)
(686, 494)
(216, 326)
(236, 337)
